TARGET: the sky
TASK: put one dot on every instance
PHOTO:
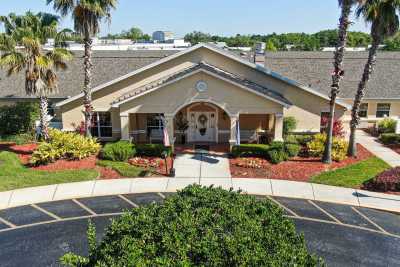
(221, 17)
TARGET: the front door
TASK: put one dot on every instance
(202, 126)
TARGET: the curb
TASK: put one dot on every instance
(268, 187)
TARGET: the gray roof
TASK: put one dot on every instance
(314, 69)
(213, 69)
(108, 65)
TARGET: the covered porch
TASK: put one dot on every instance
(202, 123)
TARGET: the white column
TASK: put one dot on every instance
(124, 126)
(234, 121)
(169, 120)
(278, 128)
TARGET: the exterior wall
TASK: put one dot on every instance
(372, 106)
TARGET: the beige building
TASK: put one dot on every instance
(218, 93)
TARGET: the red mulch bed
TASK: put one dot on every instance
(23, 151)
(296, 169)
(62, 164)
(108, 173)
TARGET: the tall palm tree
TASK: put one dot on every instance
(21, 45)
(382, 15)
(87, 16)
(337, 74)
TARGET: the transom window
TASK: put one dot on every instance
(363, 112)
(383, 110)
(101, 124)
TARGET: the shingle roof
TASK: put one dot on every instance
(313, 69)
(108, 65)
(210, 68)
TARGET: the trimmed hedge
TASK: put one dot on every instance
(292, 149)
(18, 118)
(387, 125)
(301, 139)
(250, 150)
(118, 151)
(152, 150)
(199, 226)
(19, 139)
(385, 181)
(389, 138)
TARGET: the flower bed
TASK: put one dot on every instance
(154, 164)
(296, 169)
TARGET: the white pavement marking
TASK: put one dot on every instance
(283, 207)
(46, 212)
(7, 223)
(84, 207)
(129, 201)
(325, 212)
(369, 220)
(385, 153)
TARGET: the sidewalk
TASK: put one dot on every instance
(379, 150)
(282, 188)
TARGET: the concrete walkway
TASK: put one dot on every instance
(202, 164)
(379, 150)
(266, 187)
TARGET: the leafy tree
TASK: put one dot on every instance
(393, 44)
(30, 32)
(87, 16)
(198, 37)
(270, 46)
(134, 33)
(382, 15)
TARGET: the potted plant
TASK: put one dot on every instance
(182, 125)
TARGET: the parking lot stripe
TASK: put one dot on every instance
(283, 207)
(127, 200)
(52, 215)
(369, 220)
(161, 195)
(84, 207)
(7, 223)
(324, 211)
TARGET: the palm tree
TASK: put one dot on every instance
(337, 75)
(22, 50)
(382, 14)
(87, 16)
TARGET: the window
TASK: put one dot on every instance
(154, 124)
(101, 124)
(363, 112)
(382, 110)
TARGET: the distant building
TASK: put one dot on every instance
(163, 36)
(260, 47)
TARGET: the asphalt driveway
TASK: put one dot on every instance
(37, 235)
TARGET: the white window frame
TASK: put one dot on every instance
(99, 126)
(383, 110)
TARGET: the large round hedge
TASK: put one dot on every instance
(200, 226)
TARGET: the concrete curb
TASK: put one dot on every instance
(269, 187)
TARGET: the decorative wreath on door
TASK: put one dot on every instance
(203, 121)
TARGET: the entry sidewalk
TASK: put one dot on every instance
(379, 150)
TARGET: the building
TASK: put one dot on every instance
(314, 69)
(163, 36)
(137, 93)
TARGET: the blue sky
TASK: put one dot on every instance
(223, 17)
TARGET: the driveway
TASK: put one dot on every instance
(37, 235)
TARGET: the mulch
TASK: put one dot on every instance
(296, 169)
(395, 148)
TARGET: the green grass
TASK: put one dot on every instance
(14, 175)
(123, 168)
(354, 175)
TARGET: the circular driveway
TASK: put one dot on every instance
(38, 234)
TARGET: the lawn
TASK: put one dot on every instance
(354, 175)
(123, 168)
(14, 175)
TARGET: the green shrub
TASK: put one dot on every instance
(317, 145)
(19, 139)
(387, 125)
(276, 156)
(152, 150)
(199, 226)
(292, 149)
(289, 125)
(250, 150)
(119, 151)
(18, 118)
(64, 145)
(291, 139)
(389, 138)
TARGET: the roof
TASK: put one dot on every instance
(314, 69)
(203, 66)
(107, 66)
(218, 50)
